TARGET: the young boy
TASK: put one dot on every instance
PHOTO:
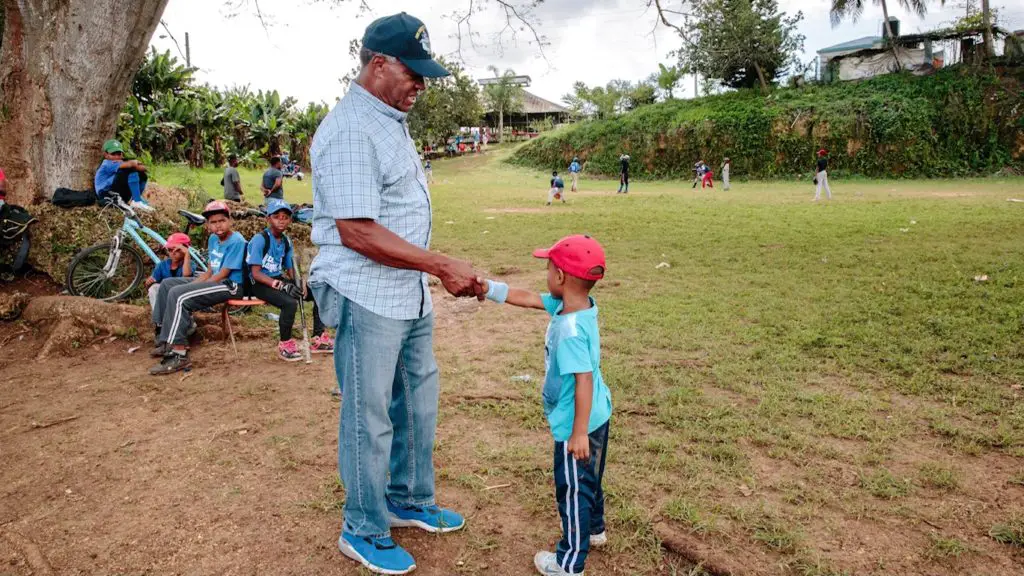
(706, 178)
(726, 165)
(272, 270)
(821, 175)
(178, 264)
(574, 172)
(119, 177)
(577, 402)
(557, 191)
(178, 298)
(428, 170)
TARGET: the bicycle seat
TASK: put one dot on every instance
(192, 217)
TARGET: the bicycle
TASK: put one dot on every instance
(112, 270)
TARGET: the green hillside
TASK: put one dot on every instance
(951, 123)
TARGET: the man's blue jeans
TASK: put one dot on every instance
(388, 377)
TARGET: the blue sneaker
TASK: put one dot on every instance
(429, 518)
(378, 555)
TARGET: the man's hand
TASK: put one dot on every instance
(459, 278)
(579, 446)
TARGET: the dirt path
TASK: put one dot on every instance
(231, 469)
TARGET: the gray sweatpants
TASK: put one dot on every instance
(178, 298)
(725, 178)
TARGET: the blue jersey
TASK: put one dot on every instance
(572, 346)
(105, 175)
(557, 182)
(229, 254)
(277, 259)
(163, 270)
(574, 168)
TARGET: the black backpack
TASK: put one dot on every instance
(247, 280)
(68, 198)
(14, 224)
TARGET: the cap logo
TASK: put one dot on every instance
(424, 38)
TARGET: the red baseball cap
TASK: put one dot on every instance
(575, 255)
(822, 152)
(216, 207)
(178, 239)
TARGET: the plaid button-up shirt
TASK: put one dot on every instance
(365, 165)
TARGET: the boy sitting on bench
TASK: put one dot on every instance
(273, 276)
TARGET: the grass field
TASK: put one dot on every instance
(807, 388)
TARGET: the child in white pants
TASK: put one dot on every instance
(557, 189)
(821, 177)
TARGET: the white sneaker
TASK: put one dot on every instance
(142, 206)
(598, 540)
(547, 564)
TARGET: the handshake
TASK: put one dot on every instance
(460, 279)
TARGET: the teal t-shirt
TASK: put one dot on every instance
(229, 254)
(572, 346)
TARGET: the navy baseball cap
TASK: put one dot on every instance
(275, 205)
(404, 37)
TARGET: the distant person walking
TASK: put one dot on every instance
(726, 164)
(232, 182)
(821, 178)
(574, 172)
(623, 174)
(273, 180)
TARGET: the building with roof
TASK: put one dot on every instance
(534, 109)
(871, 56)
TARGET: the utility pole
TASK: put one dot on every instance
(188, 52)
(986, 21)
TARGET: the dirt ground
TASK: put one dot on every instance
(231, 468)
(227, 469)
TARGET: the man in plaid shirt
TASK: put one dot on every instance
(372, 222)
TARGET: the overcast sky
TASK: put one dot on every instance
(304, 49)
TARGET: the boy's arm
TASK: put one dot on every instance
(186, 265)
(277, 184)
(150, 281)
(579, 442)
(514, 296)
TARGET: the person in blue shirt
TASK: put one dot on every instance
(557, 191)
(271, 267)
(119, 177)
(179, 298)
(178, 264)
(574, 172)
(428, 171)
(577, 403)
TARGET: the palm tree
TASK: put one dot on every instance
(852, 9)
(304, 126)
(667, 78)
(503, 96)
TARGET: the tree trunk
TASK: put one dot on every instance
(986, 19)
(892, 39)
(501, 123)
(760, 77)
(65, 70)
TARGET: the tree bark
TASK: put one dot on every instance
(760, 77)
(986, 20)
(65, 70)
(501, 123)
(892, 39)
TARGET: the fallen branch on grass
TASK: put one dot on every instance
(694, 550)
(37, 425)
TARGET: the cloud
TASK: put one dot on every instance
(305, 49)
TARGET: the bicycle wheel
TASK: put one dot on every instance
(86, 276)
